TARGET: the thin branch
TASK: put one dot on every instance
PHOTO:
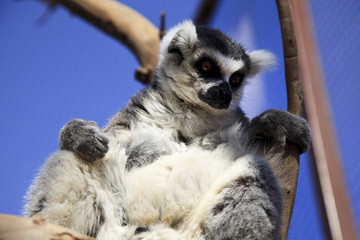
(125, 25)
(205, 12)
(162, 25)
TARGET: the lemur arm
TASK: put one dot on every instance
(267, 133)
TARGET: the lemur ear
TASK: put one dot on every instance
(260, 61)
(179, 40)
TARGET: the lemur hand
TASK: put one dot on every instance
(84, 138)
(273, 128)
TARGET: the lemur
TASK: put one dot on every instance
(181, 161)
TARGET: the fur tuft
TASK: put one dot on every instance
(186, 29)
(261, 60)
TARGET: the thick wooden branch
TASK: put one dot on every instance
(288, 175)
(125, 25)
(35, 228)
(292, 71)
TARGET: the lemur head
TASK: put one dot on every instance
(204, 67)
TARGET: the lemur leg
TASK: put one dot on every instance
(243, 203)
(72, 192)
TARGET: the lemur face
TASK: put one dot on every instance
(204, 67)
(218, 78)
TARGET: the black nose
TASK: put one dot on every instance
(218, 97)
(224, 96)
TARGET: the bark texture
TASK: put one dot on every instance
(288, 175)
(35, 228)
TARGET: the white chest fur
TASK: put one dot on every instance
(167, 190)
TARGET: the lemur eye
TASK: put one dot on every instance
(236, 79)
(206, 66)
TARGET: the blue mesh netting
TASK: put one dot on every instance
(337, 29)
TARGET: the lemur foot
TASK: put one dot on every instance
(161, 234)
(85, 139)
(273, 128)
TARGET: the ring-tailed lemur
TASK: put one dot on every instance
(181, 161)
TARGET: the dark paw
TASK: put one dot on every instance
(141, 230)
(274, 128)
(85, 139)
(93, 147)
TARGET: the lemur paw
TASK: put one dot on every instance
(85, 139)
(274, 128)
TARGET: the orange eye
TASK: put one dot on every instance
(206, 66)
(235, 80)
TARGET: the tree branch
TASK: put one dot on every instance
(288, 175)
(35, 228)
(125, 25)
(205, 12)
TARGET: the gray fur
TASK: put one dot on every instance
(251, 199)
(172, 164)
(144, 153)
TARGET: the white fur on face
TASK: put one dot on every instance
(183, 75)
(206, 86)
(229, 65)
